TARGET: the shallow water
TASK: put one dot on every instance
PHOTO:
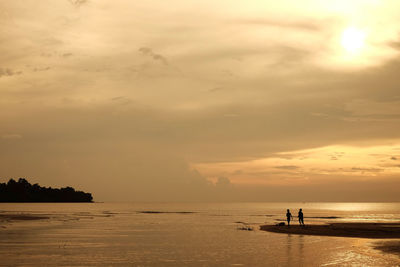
(191, 234)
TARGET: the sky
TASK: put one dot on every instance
(187, 100)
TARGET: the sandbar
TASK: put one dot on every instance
(360, 230)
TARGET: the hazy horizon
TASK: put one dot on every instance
(202, 100)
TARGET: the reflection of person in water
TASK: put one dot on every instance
(301, 217)
(288, 217)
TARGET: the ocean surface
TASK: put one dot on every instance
(190, 234)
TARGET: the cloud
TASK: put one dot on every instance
(287, 167)
(284, 23)
(122, 100)
(117, 98)
(394, 45)
(8, 72)
(78, 3)
(11, 136)
(157, 57)
(36, 69)
(223, 182)
(216, 89)
(357, 169)
(125, 107)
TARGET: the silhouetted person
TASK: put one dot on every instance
(288, 217)
(301, 217)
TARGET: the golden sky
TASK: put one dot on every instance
(203, 100)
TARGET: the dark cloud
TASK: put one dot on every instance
(394, 45)
(287, 167)
(366, 169)
(8, 72)
(122, 100)
(78, 3)
(216, 89)
(117, 98)
(36, 69)
(336, 155)
(157, 57)
(223, 182)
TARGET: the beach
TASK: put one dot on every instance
(202, 234)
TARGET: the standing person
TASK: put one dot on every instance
(288, 217)
(301, 217)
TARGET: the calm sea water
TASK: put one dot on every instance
(191, 234)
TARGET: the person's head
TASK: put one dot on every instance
(301, 209)
(288, 210)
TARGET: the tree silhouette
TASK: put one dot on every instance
(23, 191)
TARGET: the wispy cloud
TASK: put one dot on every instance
(284, 23)
(157, 57)
(11, 136)
(8, 72)
(78, 3)
(287, 167)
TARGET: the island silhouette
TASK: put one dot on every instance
(23, 191)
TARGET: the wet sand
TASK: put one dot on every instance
(359, 230)
(392, 247)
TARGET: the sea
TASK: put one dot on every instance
(187, 234)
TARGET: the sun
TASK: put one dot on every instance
(353, 40)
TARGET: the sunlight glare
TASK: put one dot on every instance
(353, 39)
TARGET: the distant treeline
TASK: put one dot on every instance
(23, 191)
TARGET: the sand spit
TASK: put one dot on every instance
(360, 230)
